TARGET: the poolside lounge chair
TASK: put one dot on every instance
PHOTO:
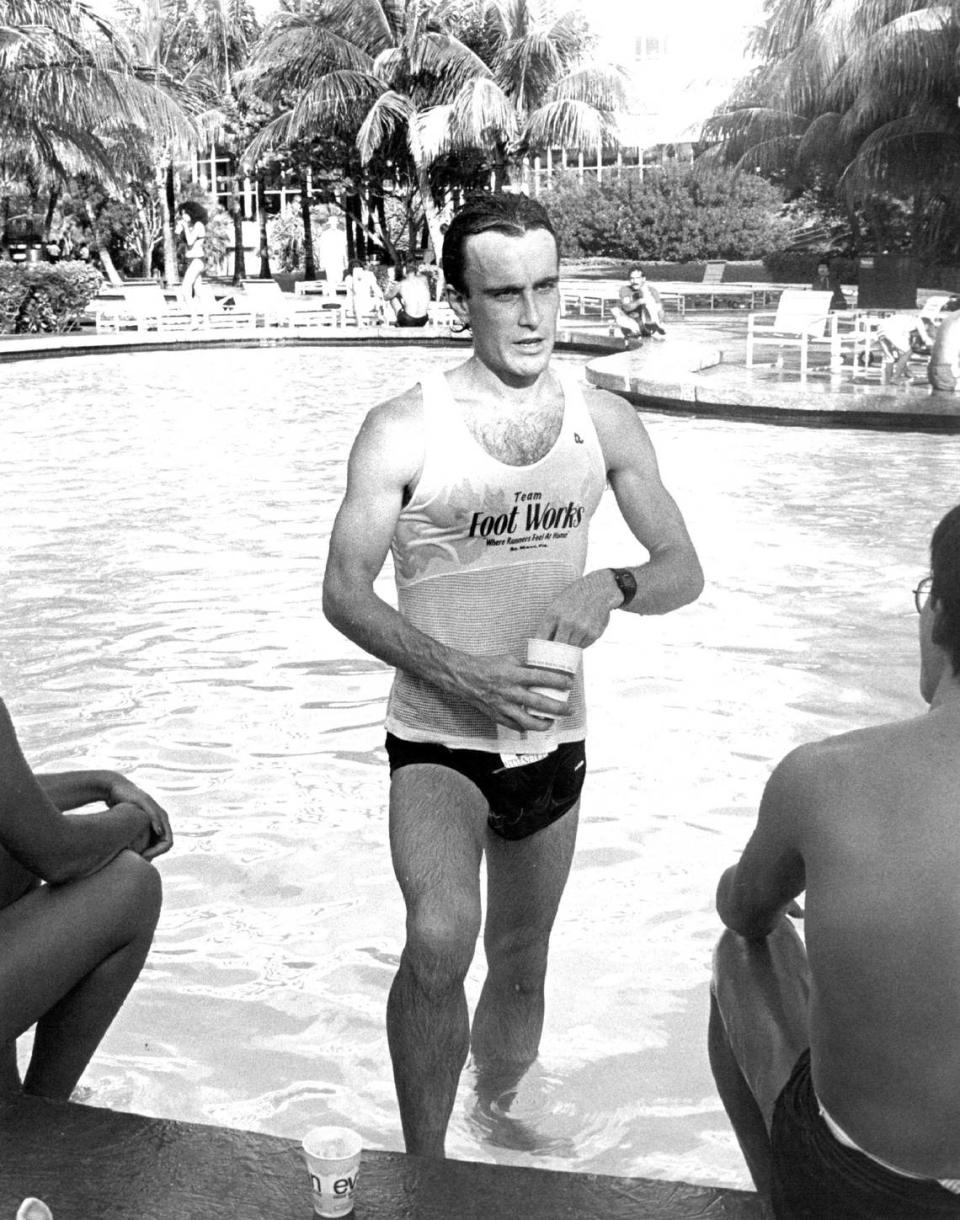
(276, 308)
(802, 319)
(713, 273)
(212, 313)
(142, 305)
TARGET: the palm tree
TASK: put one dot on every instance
(546, 92)
(227, 29)
(395, 76)
(862, 94)
(381, 73)
(68, 86)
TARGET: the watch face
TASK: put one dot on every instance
(626, 583)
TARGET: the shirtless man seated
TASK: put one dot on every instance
(410, 297)
(79, 903)
(839, 1064)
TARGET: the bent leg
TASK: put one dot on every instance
(525, 882)
(758, 1029)
(437, 823)
(69, 955)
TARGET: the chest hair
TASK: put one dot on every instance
(513, 438)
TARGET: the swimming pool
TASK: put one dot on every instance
(165, 521)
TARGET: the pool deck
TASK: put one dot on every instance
(700, 369)
(88, 1163)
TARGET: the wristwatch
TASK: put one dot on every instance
(626, 583)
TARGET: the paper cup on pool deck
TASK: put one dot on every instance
(333, 1162)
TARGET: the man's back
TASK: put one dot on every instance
(878, 836)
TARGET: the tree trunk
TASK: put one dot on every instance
(351, 240)
(239, 255)
(379, 215)
(171, 273)
(51, 208)
(102, 250)
(264, 250)
(432, 217)
(309, 262)
(146, 243)
(354, 207)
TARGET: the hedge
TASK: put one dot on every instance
(676, 216)
(40, 298)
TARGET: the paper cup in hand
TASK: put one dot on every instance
(333, 1162)
(561, 658)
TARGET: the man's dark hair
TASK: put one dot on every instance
(510, 214)
(945, 588)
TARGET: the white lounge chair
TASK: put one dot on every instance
(142, 306)
(277, 308)
(802, 318)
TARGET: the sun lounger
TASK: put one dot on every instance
(141, 305)
(276, 308)
(802, 320)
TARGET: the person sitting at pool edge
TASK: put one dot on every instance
(410, 296)
(639, 313)
(944, 367)
(482, 480)
(839, 1064)
(79, 903)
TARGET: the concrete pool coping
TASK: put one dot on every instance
(89, 1163)
(699, 370)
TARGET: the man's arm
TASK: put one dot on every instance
(44, 840)
(74, 789)
(672, 575)
(385, 462)
(754, 894)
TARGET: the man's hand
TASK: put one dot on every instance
(124, 792)
(501, 687)
(582, 611)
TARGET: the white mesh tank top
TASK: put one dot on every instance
(481, 550)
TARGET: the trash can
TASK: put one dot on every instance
(887, 281)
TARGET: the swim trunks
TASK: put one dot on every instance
(815, 1177)
(522, 799)
(405, 319)
(942, 376)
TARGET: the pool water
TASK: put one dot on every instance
(165, 524)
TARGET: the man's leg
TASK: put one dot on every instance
(69, 955)
(437, 824)
(525, 881)
(758, 1030)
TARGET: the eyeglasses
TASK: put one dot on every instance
(921, 592)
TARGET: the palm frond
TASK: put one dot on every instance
(390, 113)
(567, 123)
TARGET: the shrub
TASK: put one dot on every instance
(800, 266)
(676, 216)
(41, 297)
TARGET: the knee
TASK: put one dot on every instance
(518, 958)
(136, 889)
(440, 945)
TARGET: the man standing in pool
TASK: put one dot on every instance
(839, 1063)
(482, 479)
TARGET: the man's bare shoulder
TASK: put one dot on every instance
(613, 417)
(819, 766)
(389, 445)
